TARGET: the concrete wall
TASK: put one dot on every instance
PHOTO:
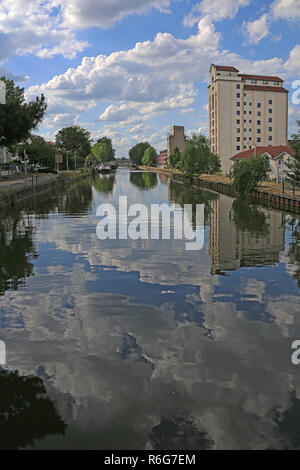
(176, 138)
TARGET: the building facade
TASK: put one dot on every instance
(176, 138)
(279, 158)
(162, 159)
(245, 111)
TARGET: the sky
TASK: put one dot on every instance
(131, 69)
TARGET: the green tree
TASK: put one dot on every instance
(102, 152)
(174, 157)
(106, 141)
(17, 117)
(39, 151)
(77, 141)
(150, 157)
(137, 152)
(246, 174)
(293, 166)
(197, 159)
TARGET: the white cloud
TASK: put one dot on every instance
(215, 9)
(257, 30)
(293, 63)
(289, 9)
(48, 27)
(105, 13)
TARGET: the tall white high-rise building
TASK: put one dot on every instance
(245, 111)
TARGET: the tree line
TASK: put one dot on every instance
(18, 121)
(195, 160)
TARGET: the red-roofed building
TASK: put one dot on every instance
(279, 156)
(162, 159)
(245, 111)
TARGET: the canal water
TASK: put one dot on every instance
(142, 344)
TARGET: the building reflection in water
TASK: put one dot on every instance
(241, 235)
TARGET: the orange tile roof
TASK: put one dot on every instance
(274, 152)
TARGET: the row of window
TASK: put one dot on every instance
(270, 138)
(238, 113)
(238, 121)
(238, 95)
(254, 82)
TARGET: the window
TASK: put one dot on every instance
(259, 105)
(250, 130)
(250, 138)
(258, 123)
(245, 130)
(270, 138)
(238, 113)
(258, 131)
(258, 139)
(238, 131)
(238, 147)
(265, 82)
(238, 139)
(238, 95)
(258, 113)
(270, 129)
(253, 81)
(270, 120)
(245, 112)
(270, 111)
(250, 112)
(250, 104)
(245, 138)
(245, 120)
(238, 87)
(276, 83)
(238, 103)
(270, 102)
(245, 94)
(238, 121)
(245, 147)
(250, 121)
(245, 104)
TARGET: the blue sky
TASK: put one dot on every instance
(130, 69)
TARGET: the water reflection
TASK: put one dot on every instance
(104, 183)
(143, 180)
(26, 412)
(17, 251)
(146, 345)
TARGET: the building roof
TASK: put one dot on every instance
(261, 77)
(274, 152)
(226, 68)
(266, 88)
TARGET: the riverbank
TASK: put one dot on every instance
(268, 193)
(13, 192)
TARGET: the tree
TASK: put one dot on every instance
(106, 141)
(197, 159)
(293, 166)
(137, 152)
(39, 151)
(150, 157)
(246, 174)
(18, 118)
(174, 157)
(77, 141)
(101, 152)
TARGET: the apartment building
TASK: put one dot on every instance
(245, 111)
